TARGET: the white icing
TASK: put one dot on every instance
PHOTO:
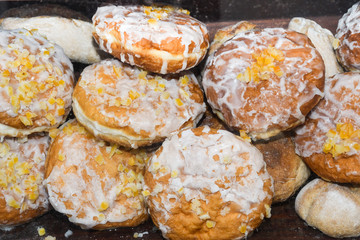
(162, 115)
(248, 103)
(87, 194)
(348, 26)
(342, 93)
(133, 22)
(24, 52)
(22, 165)
(192, 157)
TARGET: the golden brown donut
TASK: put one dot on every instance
(329, 140)
(348, 33)
(332, 208)
(286, 168)
(158, 39)
(205, 183)
(264, 81)
(95, 184)
(22, 167)
(35, 86)
(128, 106)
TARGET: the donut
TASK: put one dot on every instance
(73, 35)
(35, 86)
(328, 141)
(332, 208)
(158, 39)
(204, 183)
(264, 81)
(97, 185)
(226, 33)
(323, 40)
(131, 107)
(286, 168)
(348, 34)
(22, 166)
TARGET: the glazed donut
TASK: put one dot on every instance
(35, 86)
(22, 167)
(158, 39)
(329, 140)
(224, 194)
(348, 33)
(323, 41)
(332, 208)
(228, 32)
(264, 81)
(95, 184)
(128, 106)
(286, 168)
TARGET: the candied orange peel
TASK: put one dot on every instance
(264, 64)
(342, 140)
(161, 12)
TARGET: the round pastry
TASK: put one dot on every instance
(35, 86)
(348, 33)
(128, 106)
(329, 140)
(286, 168)
(22, 166)
(264, 81)
(207, 184)
(323, 41)
(158, 39)
(332, 208)
(95, 184)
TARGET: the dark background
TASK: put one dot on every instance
(218, 10)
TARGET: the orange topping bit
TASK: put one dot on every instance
(100, 159)
(174, 174)
(178, 102)
(41, 231)
(133, 94)
(6, 73)
(142, 75)
(26, 121)
(100, 90)
(12, 203)
(103, 206)
(184, 80)
(117, 71)
(165, 95)
(342, 140)
(152, 21)
(145, 193)
(242, 228)
(51, 118)
(244, 136)
(263, 66)
(60, 101)
(61, 157)
(210, 224)
(61, 111)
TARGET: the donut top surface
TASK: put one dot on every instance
(167, 29)
(347, 32)
(334, 124)
(36, 80)
(264, 79)
(21, 174)
(92, 182)
(120, 96)
(200, 162)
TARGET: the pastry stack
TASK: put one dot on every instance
(203, 155)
